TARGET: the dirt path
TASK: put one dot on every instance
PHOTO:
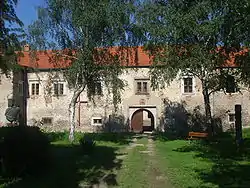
(156, 177)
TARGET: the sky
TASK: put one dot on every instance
(26, 10)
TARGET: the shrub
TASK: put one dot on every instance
(87, 144)
(24, 150)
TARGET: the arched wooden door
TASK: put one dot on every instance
(140, 123)
(137, 121)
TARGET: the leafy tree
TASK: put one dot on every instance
(11, 34)
(82, 32)
(183, 39)
(235, 34)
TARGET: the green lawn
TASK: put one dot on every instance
(134, 171)
(70, 168)
(217, 163)
(178, 163)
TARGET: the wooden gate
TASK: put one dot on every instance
(137, 121)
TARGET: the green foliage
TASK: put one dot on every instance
(24, 150)
(86, 33)
(11, 35)
(87, 144)
(183, 37)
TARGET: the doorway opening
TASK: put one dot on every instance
(142, 120)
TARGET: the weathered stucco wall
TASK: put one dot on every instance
(44, 106)
(6, 93)
(166, 103)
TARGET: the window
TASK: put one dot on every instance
(98, 88)
(10, 102)
(231, 118)
(142, 86)
(20, 88)
(188, 84)
(35, 89)
(231, 84)
(47, 120)
(96, 121)
(58, 89)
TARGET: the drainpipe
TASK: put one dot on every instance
(79, 110)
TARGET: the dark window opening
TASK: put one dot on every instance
(188, 85)
(58, 89)
(231, 86)
(47, 120)
(98, 88)
(10, 102)
(231, 117)
(97, 121)
(35, 89)
(142, 87)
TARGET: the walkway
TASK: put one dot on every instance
(141, 153)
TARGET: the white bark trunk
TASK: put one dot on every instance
(72, 108)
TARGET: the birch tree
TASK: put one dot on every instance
(183, 38)
(83, 32)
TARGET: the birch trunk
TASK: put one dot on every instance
(72, 109)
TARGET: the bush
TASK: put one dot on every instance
(24, 150)
(87, 144)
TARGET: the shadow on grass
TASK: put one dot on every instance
(230, 165)
(166, 136)
(118, 138)
(71, 168)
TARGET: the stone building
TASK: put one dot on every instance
(44, 96)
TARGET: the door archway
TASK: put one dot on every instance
(142, 120)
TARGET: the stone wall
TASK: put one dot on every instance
(168, 103)
(6, 93)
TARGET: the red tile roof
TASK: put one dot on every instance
(131, 56)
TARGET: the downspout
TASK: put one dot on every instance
(79, 110)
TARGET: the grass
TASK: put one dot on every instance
(133, 172)
(71, 168)
(217, 163)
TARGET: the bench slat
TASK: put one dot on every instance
(197, 134)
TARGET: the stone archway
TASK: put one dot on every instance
(142, 120)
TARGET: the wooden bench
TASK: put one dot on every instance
(196, 135)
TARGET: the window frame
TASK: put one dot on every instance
(142, 82)
(59, 84)
(98, 91)
(228, 84)
(96, 118)
(183, 85)
(36, 83)
(231, 114)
